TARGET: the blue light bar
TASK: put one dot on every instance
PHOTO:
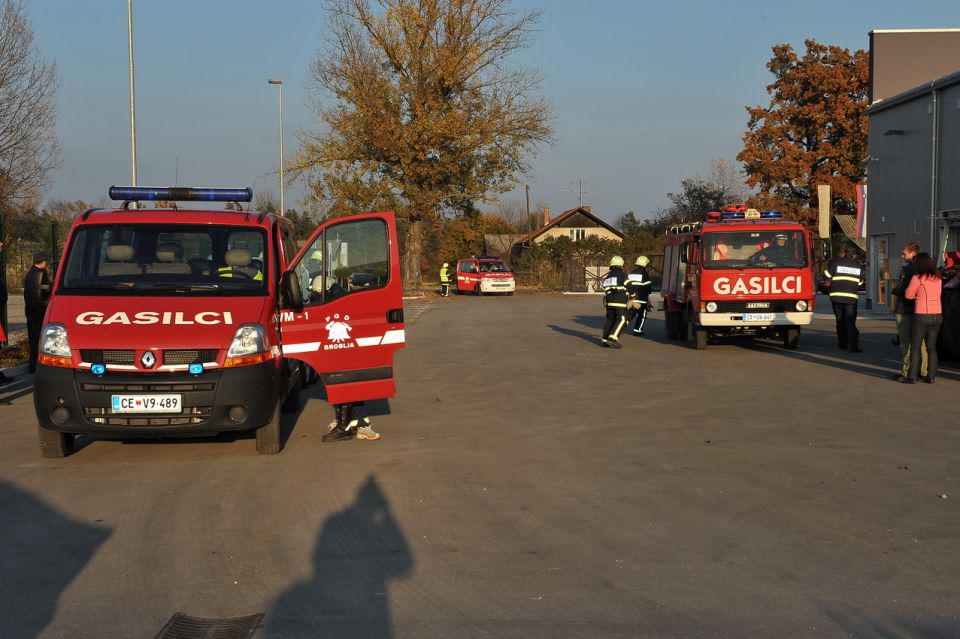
(98, 369)
(180, 194)
(750, 215)
(196, 369)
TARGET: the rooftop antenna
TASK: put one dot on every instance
(581, 188)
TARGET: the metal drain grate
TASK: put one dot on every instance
(183, 626)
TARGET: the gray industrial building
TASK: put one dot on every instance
(913, 176)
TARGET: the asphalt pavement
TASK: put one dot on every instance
(528, 484)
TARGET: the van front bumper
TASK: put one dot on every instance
(497, 286)
(250, 393)
(758, 319)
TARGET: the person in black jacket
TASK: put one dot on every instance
(615, 299)
(639, 287)
(904, 310)
(843, 279)
(36, 293)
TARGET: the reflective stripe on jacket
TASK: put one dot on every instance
(639, 284)
(845, 276)
(445, 275)
(615, 288)
(229, 271)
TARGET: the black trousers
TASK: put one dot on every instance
(847, 334)
(444, 288)
(925, 327)
(640, 314)
(616, 320)
(34, 324)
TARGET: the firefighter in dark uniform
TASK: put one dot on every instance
(445, 280)
(639, 286)
(615, 299)
(844, 276)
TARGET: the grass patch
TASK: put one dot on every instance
(14, 355)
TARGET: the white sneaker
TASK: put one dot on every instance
(366, 432)
(331, 425)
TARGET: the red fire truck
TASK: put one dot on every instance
(739, 272)
(172, 322)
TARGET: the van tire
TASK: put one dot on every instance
(791, 337)
(479, 291)
(268, 436)
(54, 444)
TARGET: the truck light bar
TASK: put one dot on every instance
(180, 194)
(750, 214)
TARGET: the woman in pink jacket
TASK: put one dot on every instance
(924, 288)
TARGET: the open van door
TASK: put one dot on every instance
(342, 311)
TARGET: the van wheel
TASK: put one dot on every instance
(791, 336)
(673, 325)
(268, 436)
(479, 291)
(700, 338)
(54, 444)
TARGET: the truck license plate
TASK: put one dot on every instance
(759, 317)
(147, 403)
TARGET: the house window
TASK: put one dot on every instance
(577, 234)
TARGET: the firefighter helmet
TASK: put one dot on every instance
(643, 260)
(616, 260)
(446, 264)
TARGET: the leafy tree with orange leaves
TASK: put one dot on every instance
(813, 132)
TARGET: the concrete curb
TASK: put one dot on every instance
(15, 370)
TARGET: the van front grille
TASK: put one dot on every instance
(109, 357)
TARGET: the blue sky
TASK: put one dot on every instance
(644, 94)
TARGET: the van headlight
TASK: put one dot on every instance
(248, 340)
(54, 341)
(249, 346)
(801, 305)
(711, 307)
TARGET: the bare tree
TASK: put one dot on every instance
(29, 149)
(266, 201)
(726, 177)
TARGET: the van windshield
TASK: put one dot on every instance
(494, 267)
(755, 249)
(165, 260)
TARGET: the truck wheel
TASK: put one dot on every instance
(54, 444)
(291, 403)
(672, 322)
(479, 291)
(699, 338)
(791, 336)
(268, 436)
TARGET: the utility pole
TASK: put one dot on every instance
(526, 187)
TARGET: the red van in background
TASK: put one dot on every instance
(485, 275)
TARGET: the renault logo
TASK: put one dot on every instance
(148, 360)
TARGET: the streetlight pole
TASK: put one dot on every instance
(133, 107)
(279, 84)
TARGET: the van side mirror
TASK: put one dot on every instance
(291, 296)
